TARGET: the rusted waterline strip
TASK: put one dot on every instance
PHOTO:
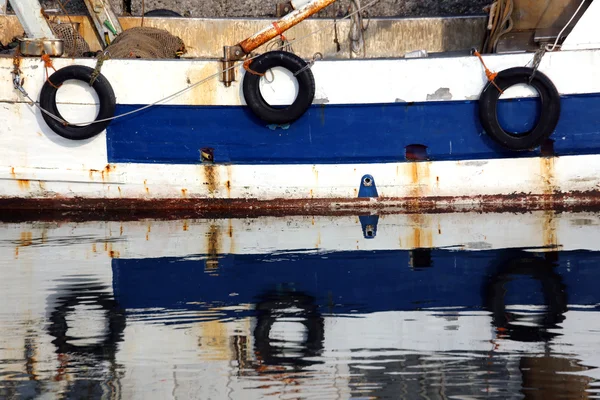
(60, 208)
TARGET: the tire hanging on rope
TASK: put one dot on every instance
(254, 98)
(101, 85)
(550, 108)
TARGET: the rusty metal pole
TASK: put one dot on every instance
(285, 23)
(237, 52)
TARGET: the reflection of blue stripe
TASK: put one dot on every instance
(340, 133)
(344, 281)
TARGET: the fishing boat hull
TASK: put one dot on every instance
(401, 133)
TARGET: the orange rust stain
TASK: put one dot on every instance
(148, 232)
(23, 184)
(44, 235)
(114, 254)
(311, 194)
(119, 189)
(184, 193)
(313, 221)
(439, 229)
(106, 246)
(547, 175)
(316, 174)
(26, 239)
(211, 177)
(94, 248)
(185, 225)
(42, 185)
(231, 240)
(213, 247)
(121, 230)
(106, 171)
(12, 173)
(437, 182)
(422, 235)
(355, 192)
(229, 179)
(549, 228)
(419, 180)
(17, 252)
(146, 187)
(318, 244)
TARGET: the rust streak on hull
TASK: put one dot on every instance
(211, 177)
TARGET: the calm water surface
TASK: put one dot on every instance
(456, 306)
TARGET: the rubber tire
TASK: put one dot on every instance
(553, 290)
(306, 87)
(549, 116)
(270, 309)
(116, 322)
(163, 12)
(106, 96)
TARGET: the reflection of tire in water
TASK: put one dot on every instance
(553, 289)
(94, 297)
(288, 307)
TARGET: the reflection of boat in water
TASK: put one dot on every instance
(235, 304)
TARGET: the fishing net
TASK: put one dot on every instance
(146, 42)
(74, 44)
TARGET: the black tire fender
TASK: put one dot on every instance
(162, 12)
(549, 116)
(306, 87)
(101, 85)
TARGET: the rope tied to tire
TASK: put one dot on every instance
(537, 59)
(48, 64)
(98, 67)
(491, 76)
(248, 69)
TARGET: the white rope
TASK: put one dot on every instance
(179, 93)
(553, 47)
(357, 29)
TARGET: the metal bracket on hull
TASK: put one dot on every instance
(367, 187)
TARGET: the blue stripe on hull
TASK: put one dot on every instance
(343, 134)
